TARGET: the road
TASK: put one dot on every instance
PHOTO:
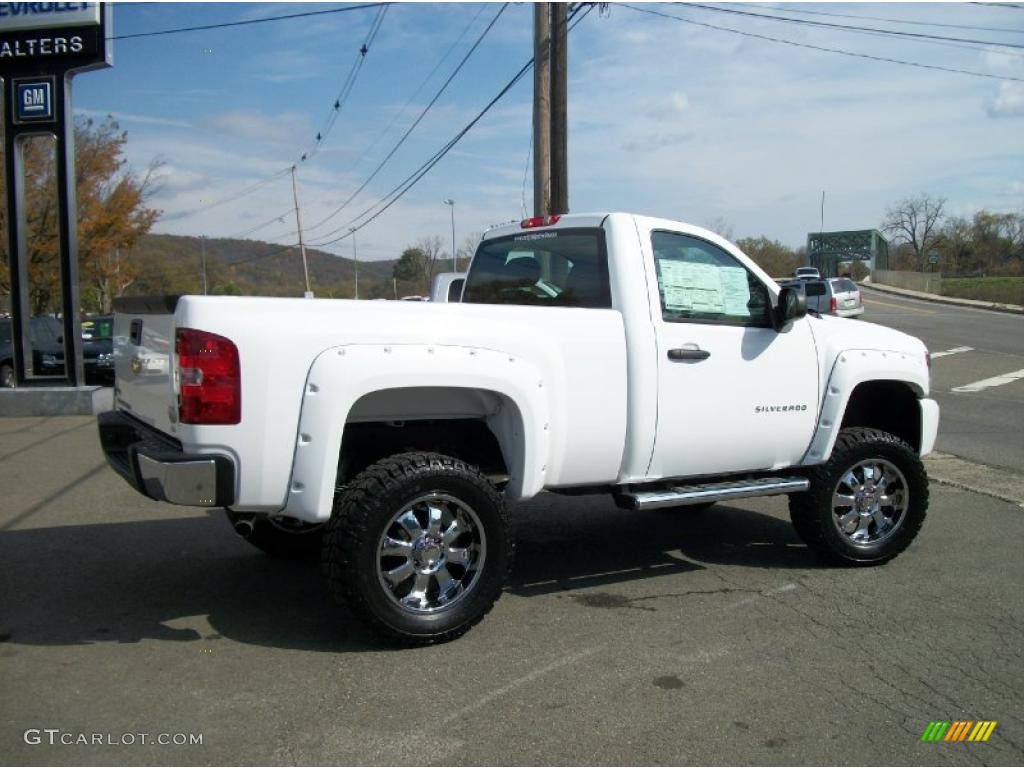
(624, 637)
(987, 425)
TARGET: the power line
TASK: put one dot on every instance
(347, 86)
(411, 128)
(819, 47)
(885, 18)
(1017, 6)
(258, 227)
(849, 28)
(178, 30)
(396, 194)
(231, 198)
(398, 115)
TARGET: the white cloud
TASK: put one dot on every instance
(1008, 101)
(288, 128)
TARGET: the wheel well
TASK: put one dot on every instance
(471, 440)
(887, 405)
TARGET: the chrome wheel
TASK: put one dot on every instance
(870, 501)
(431, 553)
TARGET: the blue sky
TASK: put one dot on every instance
(665, 118)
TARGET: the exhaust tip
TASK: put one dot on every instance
(244, 528)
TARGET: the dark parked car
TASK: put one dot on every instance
(97, 351)
(45, 333)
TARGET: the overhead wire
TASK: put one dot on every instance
(851, 28)
(245, 22)
(401, 112)
(392, 197)
(821, 48)
(913, 22)
(346, 88)
(412, 127)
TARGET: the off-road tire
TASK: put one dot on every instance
(361, 514)
(812, 510)
(282, 540)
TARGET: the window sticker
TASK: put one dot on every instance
(735, 290)
(704, 288)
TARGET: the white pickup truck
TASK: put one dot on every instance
(604, 353)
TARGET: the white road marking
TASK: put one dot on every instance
(953, 351)
(995, 381)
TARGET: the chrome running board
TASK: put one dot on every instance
(681, 495)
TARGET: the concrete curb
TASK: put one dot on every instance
(56, 401)
(1013, 309)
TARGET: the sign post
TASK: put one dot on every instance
(42, 47)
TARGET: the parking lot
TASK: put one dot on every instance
(623, 638)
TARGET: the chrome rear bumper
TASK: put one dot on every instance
(157, 467)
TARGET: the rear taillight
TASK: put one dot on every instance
(833, 305)
(539, 221)
(210, 379)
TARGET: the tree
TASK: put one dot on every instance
(721, 227)
(772, 256)
(112, 216)
(416, 264)
(915, 222)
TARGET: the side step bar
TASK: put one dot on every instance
(681, 495)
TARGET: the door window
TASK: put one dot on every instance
(700, 283)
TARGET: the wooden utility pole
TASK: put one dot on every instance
(541, 109)
(298, 226)
(559, 109)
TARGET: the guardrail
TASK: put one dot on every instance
(926, 282)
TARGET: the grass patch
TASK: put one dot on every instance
(1005, 290)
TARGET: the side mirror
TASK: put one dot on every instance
(792, 306)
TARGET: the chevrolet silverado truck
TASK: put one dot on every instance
(590, 353)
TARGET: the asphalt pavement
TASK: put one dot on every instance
(623, 638)
(968, 346)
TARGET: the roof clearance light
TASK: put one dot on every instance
(539, 221)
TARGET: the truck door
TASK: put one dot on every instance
(733, 393)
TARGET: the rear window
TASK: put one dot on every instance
(843, 285)
(553, 268)
(814, 288)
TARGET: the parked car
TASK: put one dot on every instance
(838, 296)
(806, 273)
(45, 333)
(642, 358)
(97, 351)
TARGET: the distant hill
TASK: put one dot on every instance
(173, 264)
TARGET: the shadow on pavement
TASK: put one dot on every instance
(126, 582)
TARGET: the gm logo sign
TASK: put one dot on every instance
(33, 100)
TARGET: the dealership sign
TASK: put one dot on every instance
(42, 47)
(38, 38)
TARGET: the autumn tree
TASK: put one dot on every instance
(772, 256)
(916, 222)
(112, 216)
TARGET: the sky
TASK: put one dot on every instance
(666, 118)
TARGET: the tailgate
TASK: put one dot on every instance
(143, 359)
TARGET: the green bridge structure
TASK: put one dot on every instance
(827, 250)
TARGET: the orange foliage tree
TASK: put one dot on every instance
(112, 216)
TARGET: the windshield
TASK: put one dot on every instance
(555, 268)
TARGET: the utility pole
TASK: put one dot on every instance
(298, 226)
(202, 246)
(559, 109)
(355, 258)
(541, 109)
(455, 264)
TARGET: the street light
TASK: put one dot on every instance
(355, 258)
(451, 204)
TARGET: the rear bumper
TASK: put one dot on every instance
(156, 466)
